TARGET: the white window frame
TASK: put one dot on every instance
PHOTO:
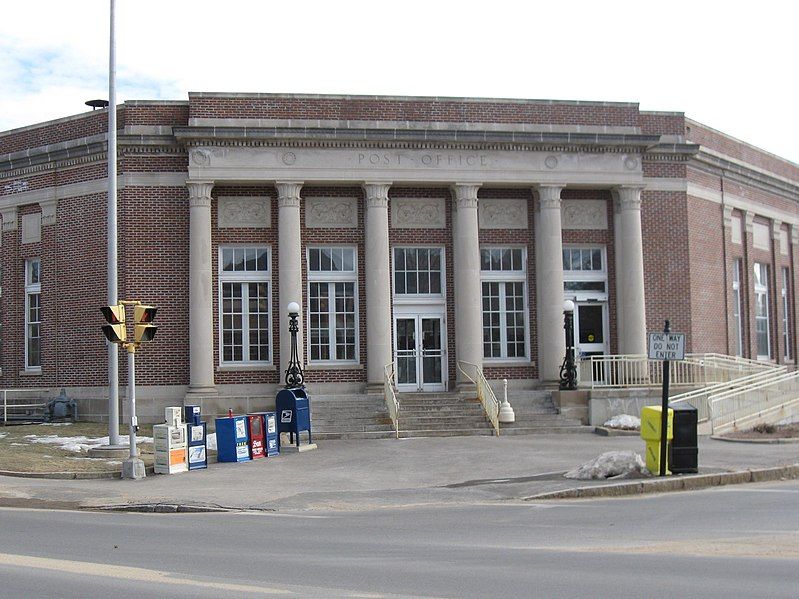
(761, 288)
(245, 277)
(786, 319)
(502, 277)
(33, 287)
(331, 278)
(737, 310)
(587, 276)
(419, 298)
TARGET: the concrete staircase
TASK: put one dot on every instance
(361, 416)
(536, 413)
(356, 416)
(441, 415)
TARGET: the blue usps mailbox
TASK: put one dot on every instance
(232, 441)
(293, 413)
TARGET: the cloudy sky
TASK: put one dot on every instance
(730, 65)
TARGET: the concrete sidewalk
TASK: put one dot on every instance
(381, 473)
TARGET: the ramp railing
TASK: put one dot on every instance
(756, 400)
(16, 406)
(390, 396)
(484, 392)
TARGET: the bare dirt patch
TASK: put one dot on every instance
(19, 451)
(768, 431)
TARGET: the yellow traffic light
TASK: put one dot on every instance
(115, 316)
(144, 331)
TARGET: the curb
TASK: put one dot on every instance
(162, 508)
(72, 475)
(604, 431)
(772, 441)
(680, 483)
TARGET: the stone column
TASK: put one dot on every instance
(468, 295)
(631, 305)
(549, 283)
(289, 249)
(201, 303)
(378, 285)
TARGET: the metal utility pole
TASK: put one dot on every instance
(113, 353)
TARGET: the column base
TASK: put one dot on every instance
(374, 388)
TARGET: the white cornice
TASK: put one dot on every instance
(741, 203)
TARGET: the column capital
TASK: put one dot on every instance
(49, 210)
(10, 218)
(376, 193)
(776, 228)
(749, 221)
(728, 216)
(288, 193)
(465, 194)
(629, 196)
(199, 193)
(549, 196)
(795, 234)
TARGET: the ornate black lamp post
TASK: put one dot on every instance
(568, 370)
(294, 376)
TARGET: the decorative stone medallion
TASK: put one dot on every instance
(244, 212)
(584, 214)
(331, 213)
(418, 213)
(502, 214)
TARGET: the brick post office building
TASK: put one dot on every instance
(417, 231)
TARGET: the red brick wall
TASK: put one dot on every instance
(729, 146)
(92, 123)
(264, 106)
(707, 276)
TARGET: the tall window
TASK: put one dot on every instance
(736, 307)
(762, 325)
(786, 319)
(417, 271)
(503, 275)
(33, 314)
(332, 322)
(244, 280)
(584, 270)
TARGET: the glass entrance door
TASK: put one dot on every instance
(590, 332)
(419, 353)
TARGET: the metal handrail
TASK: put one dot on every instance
(15, 406)
(390, 396)
(484, 393)
(745, 403)
(699, 397)
(637, 370)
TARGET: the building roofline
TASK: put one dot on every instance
(689, 121)
(258, 95)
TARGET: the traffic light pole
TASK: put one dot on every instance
(133, 467)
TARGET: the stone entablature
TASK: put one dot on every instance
(405, 165)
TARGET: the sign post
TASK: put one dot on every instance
(665, 346)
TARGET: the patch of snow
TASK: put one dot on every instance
(624, 422)
(613, 464)
(56, 424)
(80, 444)
(210, 440)
(3, 435)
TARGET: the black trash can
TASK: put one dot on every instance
(684, 447)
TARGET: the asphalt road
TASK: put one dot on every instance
(722, 542)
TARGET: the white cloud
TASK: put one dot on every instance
(728, 65)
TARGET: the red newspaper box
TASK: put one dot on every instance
(255, 423)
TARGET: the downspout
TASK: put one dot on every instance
(725, 265)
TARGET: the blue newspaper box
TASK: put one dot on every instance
(196, 445)
(271, 436)
(191, 414)
(232, 441)
(293, 413)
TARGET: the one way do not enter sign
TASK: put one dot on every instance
(666, 346)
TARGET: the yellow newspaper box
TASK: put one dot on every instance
(650, 423)
(650, 432)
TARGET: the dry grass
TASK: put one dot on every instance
(20, 454)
